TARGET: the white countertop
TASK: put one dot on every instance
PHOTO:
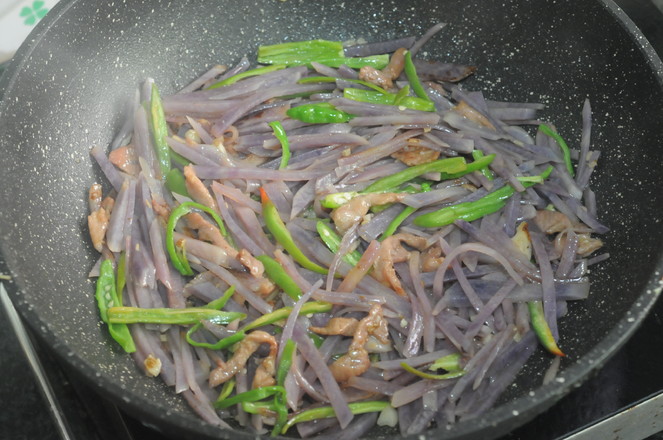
(17, 19)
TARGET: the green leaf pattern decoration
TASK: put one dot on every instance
(32, 14)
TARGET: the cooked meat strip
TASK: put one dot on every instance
(356, 361)
(197, 189)
(337, 326)
(354, 211)
(264, 374)
(391, 252)
(126, 159)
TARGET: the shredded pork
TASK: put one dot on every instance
(357, 361)
(264, 374)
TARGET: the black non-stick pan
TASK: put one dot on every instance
(64, 93)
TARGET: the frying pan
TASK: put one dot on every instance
(66, 88)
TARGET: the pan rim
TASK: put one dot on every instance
(525, 406)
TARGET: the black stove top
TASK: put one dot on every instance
(631, 375)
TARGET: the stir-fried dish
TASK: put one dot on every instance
(340, 237)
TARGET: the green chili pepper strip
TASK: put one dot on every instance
(541, 328)
(278, 275)
(335, 200)
(249, 396)
(369, 96)
(105, 294)
(297, 50)
(191, 315)
(326, 412)
(400, 218)
(159, 131)
(401, 95)
(329, 53)
(450, 362)
(219, 345)
(333, 242)
(284, 312)
(373, 97)
(450, 165)
(478, 155)
(280, 134)
(566, 154)
(477, 165)
(280, 407)
(179, 261)
(179, 159)
(278, 229)
(316, 338)
(396, 222)
(121, 279)
(449, 375)
(376, 61)
(286, 361)
(469, 211)
(270, 318)
(217, 304)
(318, 113)
(261, 408)
(325, 79)
(227, 389)
(413, 78)
(246, 74)
(176, 182)
(107, 298)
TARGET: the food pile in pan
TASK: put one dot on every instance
(340, 237)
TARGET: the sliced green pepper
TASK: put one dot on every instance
(270, 318)
(191, 315)
(281, 135)
(278, 275)
(159, 131)
(278, 229)
(284, 312)
(422, 374)
(449, 165)
(450, 362)
(333, 242)
(319, 113)
(263, 408)
(280, 407)
(121, 280)
(373, 97)
(326, 412)
(413, 78)
(107, 298)
(176, 183)
(541, 328)
(400, 218)
(177, 258)
(469, 211)
(316, 338)
(478, 155)
(217, 304)
(295, 51)
(227, 389)
(329, 53)
(336, 200)
(325, 79)
(566, 153)
(401, 95)
(249, 73)
(249, 396)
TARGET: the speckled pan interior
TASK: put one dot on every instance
(65, 91)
